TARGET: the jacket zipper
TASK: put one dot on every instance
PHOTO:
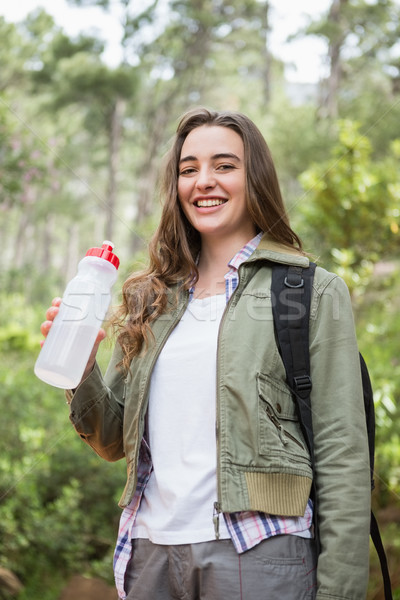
(217, 505)
(283, 434)
(216, 513)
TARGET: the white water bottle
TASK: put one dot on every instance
(67, 347)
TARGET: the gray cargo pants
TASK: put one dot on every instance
(279, 568)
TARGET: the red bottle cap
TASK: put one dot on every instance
(105, 252)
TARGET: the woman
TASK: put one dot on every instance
(216, 503)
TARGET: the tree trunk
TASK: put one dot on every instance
(46, 243)
(114, 143)
(267, 78)
(330, 107)
(149, 171)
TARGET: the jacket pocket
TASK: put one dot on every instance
(279, 427)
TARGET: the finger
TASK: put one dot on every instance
(51, 313)
(56, 301)
(45, 327)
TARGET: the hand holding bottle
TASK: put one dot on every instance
(73, 327)
(51, 313)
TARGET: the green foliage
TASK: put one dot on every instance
(352, 202)
(378, 324)
(378, 329)
(366, 32)
(48, 478)
(20, 162)
(14, 52)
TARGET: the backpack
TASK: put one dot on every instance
(291, 299)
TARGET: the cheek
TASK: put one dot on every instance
(184, 194)
(241, 185)
(182, 197)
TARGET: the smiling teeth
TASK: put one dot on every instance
(204, 203)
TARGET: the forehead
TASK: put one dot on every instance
(212, 139)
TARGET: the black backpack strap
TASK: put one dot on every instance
(369, 415)
(374, 527)
(380, 550)
(291, 299)
(291, 290)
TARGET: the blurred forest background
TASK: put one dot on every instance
(80, 147)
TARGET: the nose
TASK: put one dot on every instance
(205, 179)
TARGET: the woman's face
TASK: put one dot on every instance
(212, 183)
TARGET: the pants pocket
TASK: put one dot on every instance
(284, 567)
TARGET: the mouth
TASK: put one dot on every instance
(207, 202)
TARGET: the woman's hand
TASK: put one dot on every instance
(45, 327)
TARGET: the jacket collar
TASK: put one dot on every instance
(271, 250)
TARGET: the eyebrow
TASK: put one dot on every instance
(228, 155)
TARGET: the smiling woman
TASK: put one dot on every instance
(247, 184)
(217, 502)
(212, 191)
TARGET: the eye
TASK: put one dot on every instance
(225, 167)
(187, 171)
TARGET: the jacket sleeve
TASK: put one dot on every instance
(340, 443)
(97, 409)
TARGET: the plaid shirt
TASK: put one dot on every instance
(245, 528)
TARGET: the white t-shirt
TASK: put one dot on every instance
(178, 502)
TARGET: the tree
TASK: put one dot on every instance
(360, 35)
(103, 93)
(351, 204)
(75, 73)
(14, 52)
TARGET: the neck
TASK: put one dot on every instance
(219, 250)
(213, 264)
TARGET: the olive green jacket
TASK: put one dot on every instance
(263, 464)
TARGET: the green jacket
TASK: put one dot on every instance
(263, 464)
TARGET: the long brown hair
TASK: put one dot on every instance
(176, 244)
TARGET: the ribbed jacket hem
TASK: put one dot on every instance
(281, 494)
